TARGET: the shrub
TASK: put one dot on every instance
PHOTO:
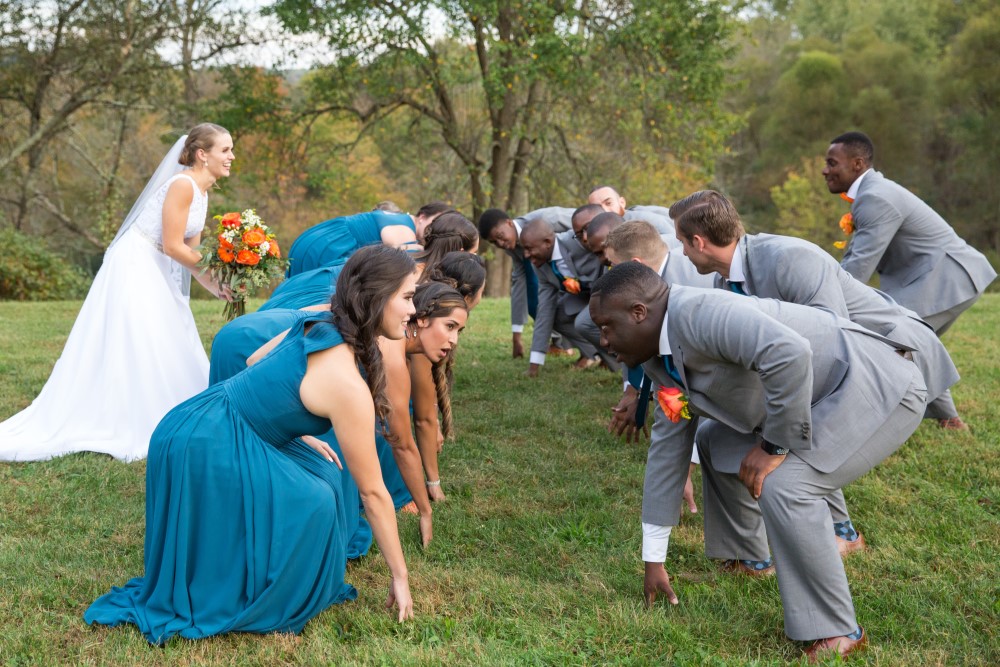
(29, 271)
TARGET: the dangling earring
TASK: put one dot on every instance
(206, 164)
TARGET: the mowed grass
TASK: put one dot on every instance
(535, 558)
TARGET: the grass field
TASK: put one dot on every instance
(535, 558)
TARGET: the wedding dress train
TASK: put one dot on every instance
(132, 355)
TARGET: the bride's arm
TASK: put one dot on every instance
(176, 208)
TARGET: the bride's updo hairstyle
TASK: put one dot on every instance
(369, 278)
(431, 301)
(202, 137)
(449, 232)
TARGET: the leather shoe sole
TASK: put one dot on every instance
(842, 646)
(737, 567)
(847, 548)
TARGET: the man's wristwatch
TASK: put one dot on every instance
(772, 449)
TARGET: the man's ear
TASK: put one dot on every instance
(638, 312)
(698, 242)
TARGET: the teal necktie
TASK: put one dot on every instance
(668, 363)
(555, 270)
(737, 287)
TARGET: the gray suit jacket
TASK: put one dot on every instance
(584, 266)
(560, 219)
(921, 261)
(794, 270)
(658, 216)
(800, 377)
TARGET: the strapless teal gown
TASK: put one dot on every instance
(231, 348)
(244, 531)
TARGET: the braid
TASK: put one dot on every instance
(368, 280)
(443, 388)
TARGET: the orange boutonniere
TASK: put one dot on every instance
(674, 403)
(846, 224)
(571, 285)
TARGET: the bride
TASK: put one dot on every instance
(134, 351)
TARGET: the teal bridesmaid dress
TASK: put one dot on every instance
(336, 239)
(231, 348)
(305, 289)
(244, 532)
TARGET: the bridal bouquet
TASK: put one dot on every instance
(243, 254)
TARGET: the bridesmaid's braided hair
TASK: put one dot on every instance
(368, 280)
(434, 300)
(201, 136)
(462, 270)
(449, 232)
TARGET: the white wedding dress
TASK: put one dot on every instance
(133, 353)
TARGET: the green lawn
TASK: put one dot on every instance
(535, 558)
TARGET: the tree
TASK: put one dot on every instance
(505, 83)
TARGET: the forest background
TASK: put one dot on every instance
(337, 105)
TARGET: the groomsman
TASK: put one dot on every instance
(504, 232)
(792, 375)
(791, 269)
(565, 272)
(585, 219)
(922, 263)
(597, 233)
(608, 198)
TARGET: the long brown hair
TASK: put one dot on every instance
(449, 232)
(368, 280)
(433, 300)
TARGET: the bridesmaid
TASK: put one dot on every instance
(431, 382)
(338, 238)
(448, 232)
(241, 527)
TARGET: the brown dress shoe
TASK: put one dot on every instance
(842, 646)
(953, 424)
(737, 567)
(846, 548)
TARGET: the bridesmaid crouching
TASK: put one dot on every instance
(242, 535)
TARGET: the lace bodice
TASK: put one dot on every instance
(150, 221)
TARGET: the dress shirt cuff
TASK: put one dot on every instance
(695, 459)
(517, 328)
(655, 540)
(537, 358)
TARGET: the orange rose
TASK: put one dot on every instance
(571, 285)
(231, 220)
(674, 403)
(254, 237)
(847, 223)
(224, 243)
(274, 250)
(247, 257)
(226, 255)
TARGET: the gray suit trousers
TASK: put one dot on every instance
(591, 333)
(735, 529)
(814, 592)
